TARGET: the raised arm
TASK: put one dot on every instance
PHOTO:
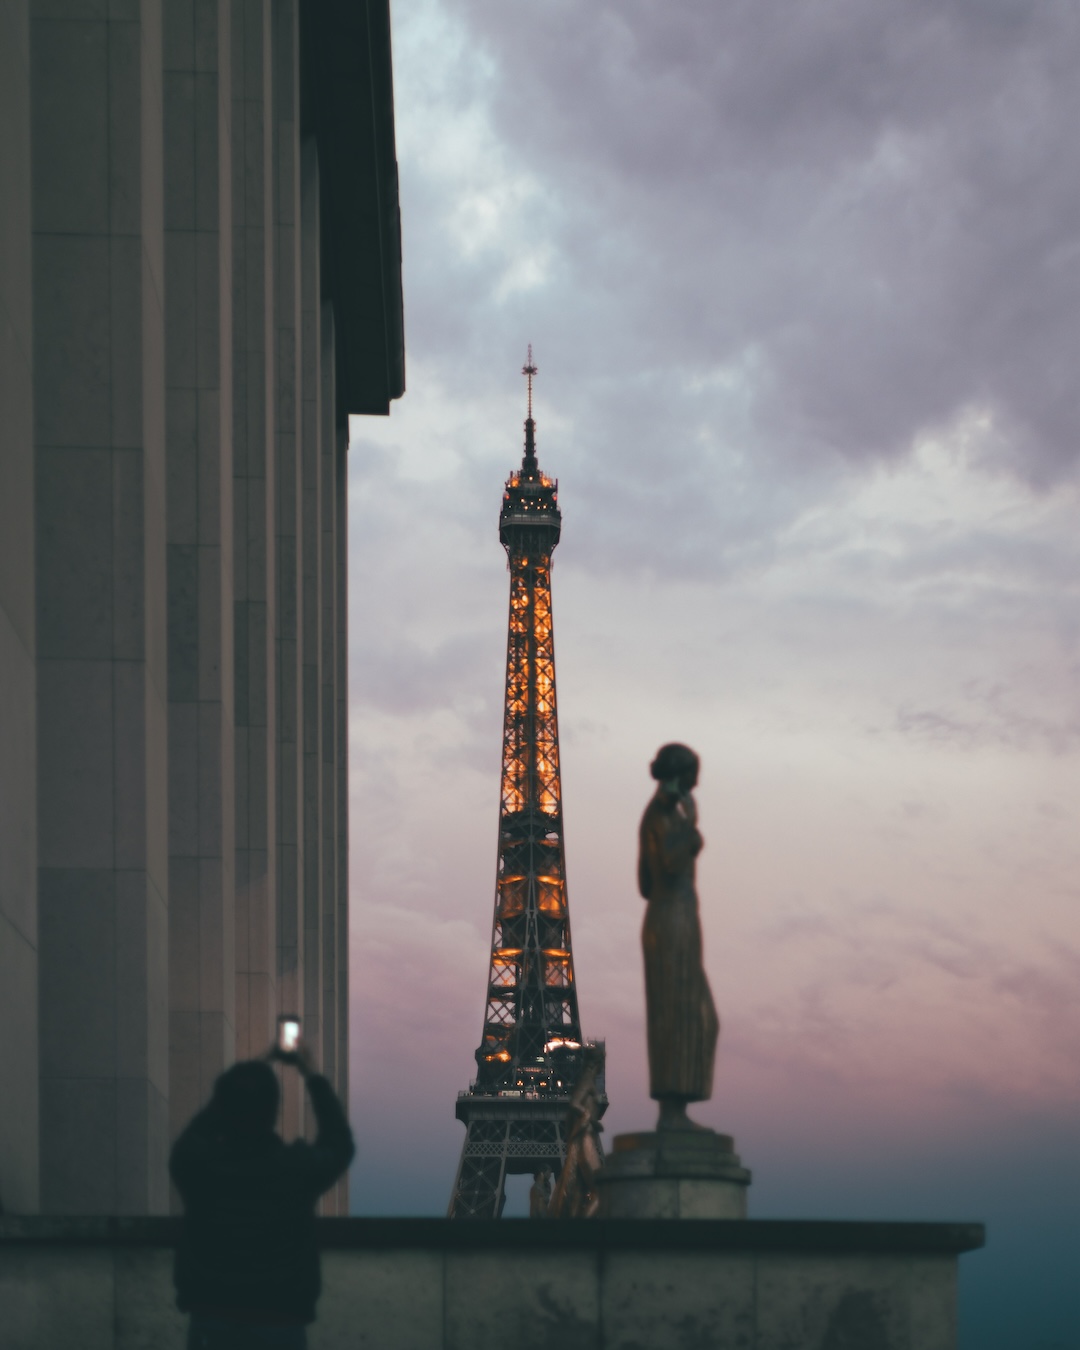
(333, 1149)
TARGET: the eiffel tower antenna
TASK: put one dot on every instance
(529, 463)
(530, 370)
(531, 1047)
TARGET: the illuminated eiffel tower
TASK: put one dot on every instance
(531, 1051)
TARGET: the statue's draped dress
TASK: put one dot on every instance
(682, 1021)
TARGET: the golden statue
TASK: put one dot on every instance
(575, 1195)
(682, 1021)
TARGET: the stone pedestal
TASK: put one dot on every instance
(673, 1174)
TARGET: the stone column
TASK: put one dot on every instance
(341, 935)
(199, 426)
(311, 512)
(18, 769)
(328, 740)
(286, 139)
(99, 431)
(254, 516)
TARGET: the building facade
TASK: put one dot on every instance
(199, 282)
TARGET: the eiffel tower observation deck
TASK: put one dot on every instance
(531, 1050)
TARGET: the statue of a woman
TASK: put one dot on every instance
(682, 1020)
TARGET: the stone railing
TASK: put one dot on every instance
(430, 1284)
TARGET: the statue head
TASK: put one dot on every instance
(676, 764)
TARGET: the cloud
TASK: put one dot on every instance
(841, 224)
(989, 717)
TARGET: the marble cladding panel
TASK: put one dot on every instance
(183, 780)
(262, 895)
(74, 553)
(129, 625)
(312, 987)
(288, 933)
(151, 217)
(286, 347)
(184, 935)
(212, 790)
(259, 834)
(212, 25)
(208, 324)
(207, 131)
(17, 465)
(16, 301)
(240, 524)
(214, 453)
(259, 618)
(137, 973)
(215, 976)
(262, 1011)
(183, 329)
(19, 1069)
(18, 832)
(135, 119)
(79, 995)
(179, 133)
(133, 1152)
(72, 386)
(243, 1012)
(290, 729)
(288, 650)
(18, 775)
(178, 35)
(257, 393)
(312, 879)
(241, 694)
(255, 14)
(214, 687)
(135, 347)
(78, 1146)
(242, 909)
(184, 646)
(258, 540)
(70, 88)
(183, 438)
(75, 764)
(138, 768)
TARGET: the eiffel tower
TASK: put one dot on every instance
(531, 1051)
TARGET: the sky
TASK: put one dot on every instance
(803, 287)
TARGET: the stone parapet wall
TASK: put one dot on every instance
(429, 1284)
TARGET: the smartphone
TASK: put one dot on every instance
(288, 1033)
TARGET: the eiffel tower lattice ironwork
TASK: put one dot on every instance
(531, 1052)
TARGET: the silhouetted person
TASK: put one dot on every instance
(247, 1267)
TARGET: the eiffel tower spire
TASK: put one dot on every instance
(531, 1048)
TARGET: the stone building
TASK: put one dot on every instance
(199, 281)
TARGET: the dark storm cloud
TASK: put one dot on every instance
(869, 213)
